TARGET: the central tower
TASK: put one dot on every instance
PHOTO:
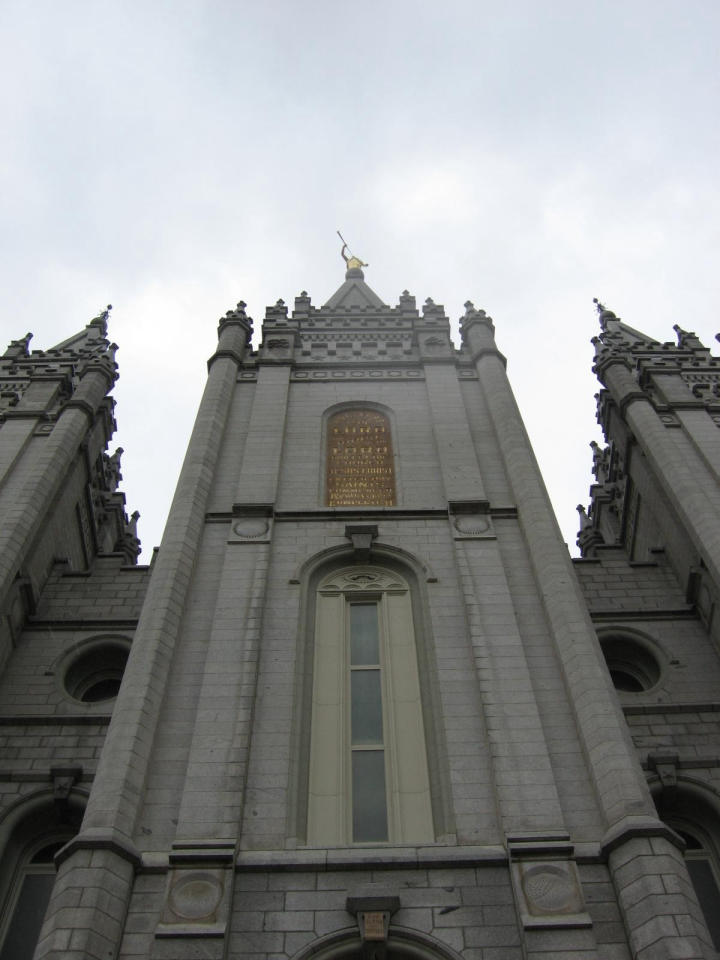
(364, 686)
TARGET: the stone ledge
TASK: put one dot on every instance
(619, 615)
(55, 719)
(379, 857)
(165, 931)
(34, 623)
(645, 708)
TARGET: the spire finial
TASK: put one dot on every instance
(101, 320)
(603, 310)
(603, 313)
(351, 262)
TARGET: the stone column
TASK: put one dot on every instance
(662, 916)
(523, 776)
(522, 772)
(263, 447)
(212, 797)
(98, 864)
(456, 451)
(215, 777)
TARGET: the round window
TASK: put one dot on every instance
(633, 667)
(95, 674)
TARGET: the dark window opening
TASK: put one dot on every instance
(95, 675)
(633, 667)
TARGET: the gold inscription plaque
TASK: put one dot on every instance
(374, 926)
(360, 469)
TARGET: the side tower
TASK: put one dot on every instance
(365, 709)
(58, 486)
(650, 571)
(70, 593)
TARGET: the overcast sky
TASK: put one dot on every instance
(172, 158)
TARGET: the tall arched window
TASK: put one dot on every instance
(368, 779)
(691, 814)
(35, 832)
(702, 864)
(359, 459)
(29, 898)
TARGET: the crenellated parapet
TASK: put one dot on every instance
(672, 375)
(37, 384)
(355, 327)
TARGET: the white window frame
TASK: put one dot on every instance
(409, 809)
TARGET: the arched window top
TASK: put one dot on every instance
(403, 943)
(367, 580)
(359, 463)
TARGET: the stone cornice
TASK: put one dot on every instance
(52, 720)
(620, 616)
(224, 353)
(97, 838)
(78, 403)
(489, 351)
(50, 623)
(27, 415)
(322, 514)
(630, 827)
(637, 709)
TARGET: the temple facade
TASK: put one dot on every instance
(362, 703)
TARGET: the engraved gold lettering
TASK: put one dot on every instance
(359, 470)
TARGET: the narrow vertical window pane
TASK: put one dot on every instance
(366, 707)
(28, 916)
(369, 802)
(364, 648)
(706, 889)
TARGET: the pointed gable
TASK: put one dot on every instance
(90, 339)
(354, 293)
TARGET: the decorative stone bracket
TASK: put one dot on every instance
(665, 766)
(64, 778)
(373, 917)
(361, 535)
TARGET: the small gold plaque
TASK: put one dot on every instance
(360, 471)
(374, 926)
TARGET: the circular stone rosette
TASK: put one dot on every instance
(548, 889)
(195, 897)
(251, 529)
(471, 524)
